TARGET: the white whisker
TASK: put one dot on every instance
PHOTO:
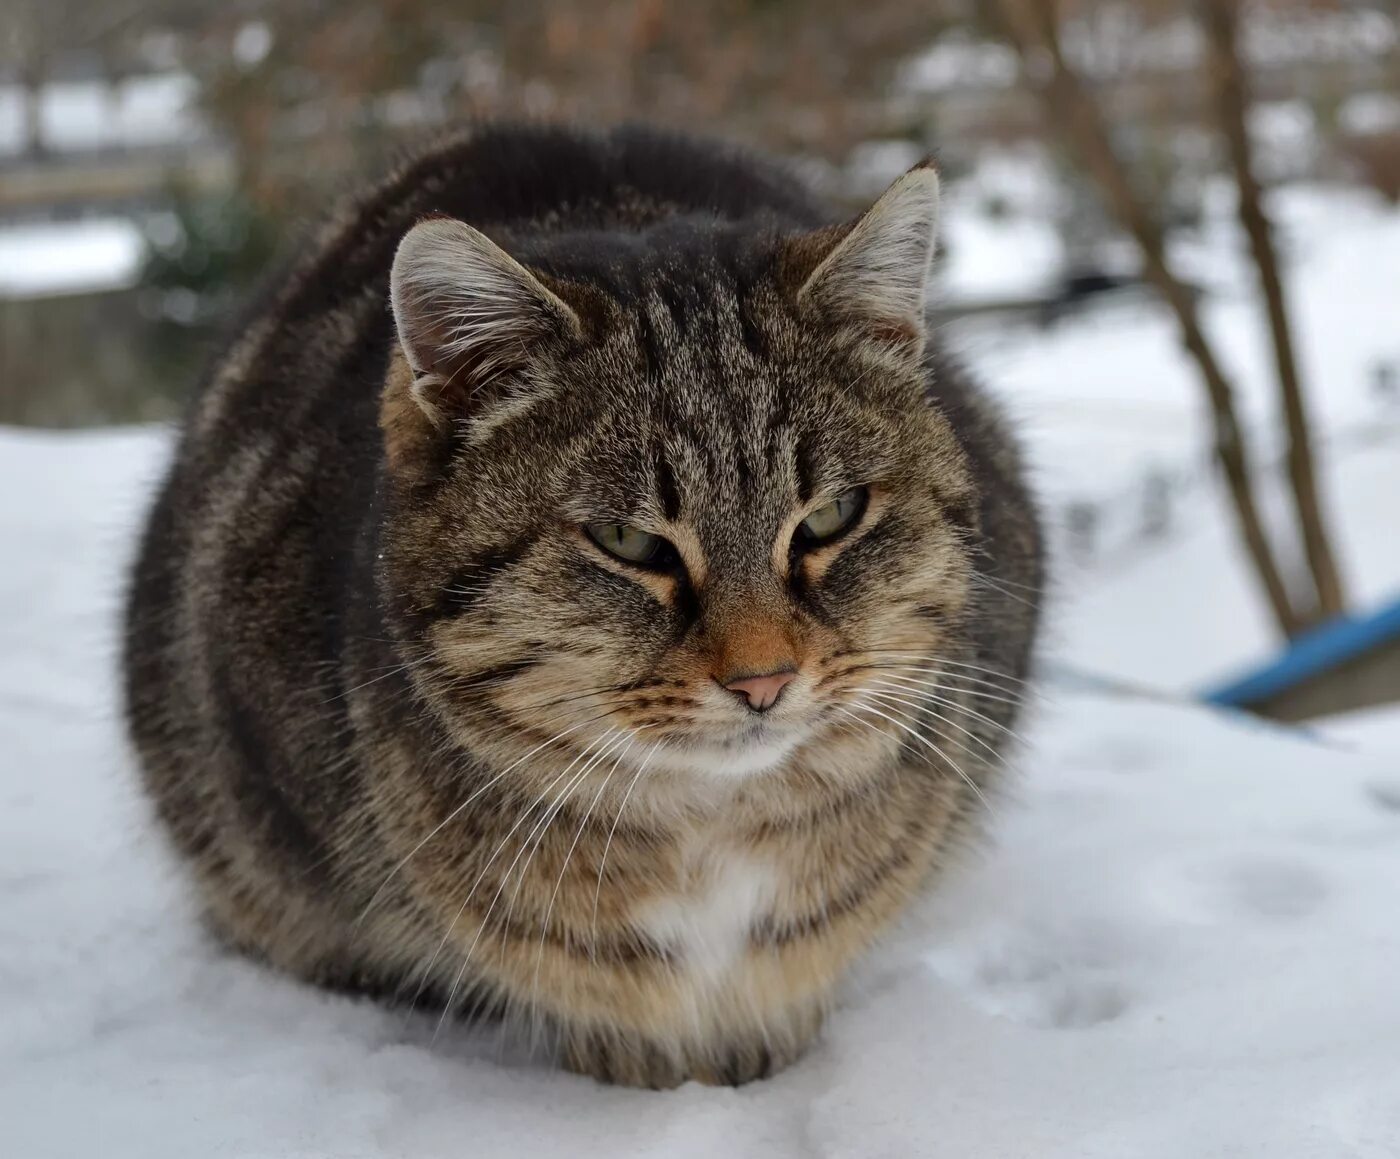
(918, 736)
(505, 880)
(978, 577)
(922, 706)
(559, 881)
(393, 671)
(603, 861)
(541, 828)
(943, 666)
(524, 815)
(458, 810)
(920, 689)
(894, 673)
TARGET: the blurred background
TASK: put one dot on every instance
(1172, 246)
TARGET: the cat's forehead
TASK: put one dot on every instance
(705, 444)
(708, 391)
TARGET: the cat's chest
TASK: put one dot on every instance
(706, 920)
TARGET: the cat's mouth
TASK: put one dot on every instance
(753, 747)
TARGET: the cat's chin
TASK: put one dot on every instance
(748, 753)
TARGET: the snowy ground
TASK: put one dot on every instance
(1183, 945)
(69, 257)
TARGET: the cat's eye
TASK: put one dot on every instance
(831, 519)
(631, 544)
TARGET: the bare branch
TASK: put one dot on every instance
(1031, 26)
(1221, 22)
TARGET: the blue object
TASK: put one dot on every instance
(1317, 650)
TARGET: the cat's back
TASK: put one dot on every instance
(310, 356)
(522, 180)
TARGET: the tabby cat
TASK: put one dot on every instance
(584, 593)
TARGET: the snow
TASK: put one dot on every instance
(37, 260)
(154, 110)
(1206, 622)
(1120, 45)
(958, 62)
(1364, 113)
(1182, 941)
(991, 258)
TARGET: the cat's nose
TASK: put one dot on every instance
(762, 692)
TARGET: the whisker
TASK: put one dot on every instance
(393, 671)
(978, 577)
(622, 735)
(945, 681)
(609, 691)
(930, 668)
(958, 706)
(603, 861)
(930, 662)
(1034, 589)
(559, 881)
(895, 672)
(481, 928)
(922, 706)
(458, 810)
(542, 827)
(916, 735)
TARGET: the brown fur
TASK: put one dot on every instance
(415, 731)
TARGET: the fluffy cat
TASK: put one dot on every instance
(583, 592)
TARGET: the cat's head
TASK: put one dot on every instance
(683, 484)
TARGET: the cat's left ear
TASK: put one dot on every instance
(877, 274)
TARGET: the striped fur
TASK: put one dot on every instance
(415, 733)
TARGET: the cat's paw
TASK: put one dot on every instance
(625, 1062)
(743, 1063)
(636, 1062)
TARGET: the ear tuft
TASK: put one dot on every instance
(878, 273)
(466, 312)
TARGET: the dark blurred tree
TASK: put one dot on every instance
(204, 255)
(1299, 591)
(309, 90)
(1220, 19)
(37, 36)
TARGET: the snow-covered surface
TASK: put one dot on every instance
(989, 258)
(1183, 944)
(1184, 615)
(69, 257)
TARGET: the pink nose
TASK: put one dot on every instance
(762, 692)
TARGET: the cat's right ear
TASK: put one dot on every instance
(875, 275)
(468, 316)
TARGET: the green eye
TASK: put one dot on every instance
(831, 520)
(630, 543)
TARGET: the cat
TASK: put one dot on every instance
(584, 593)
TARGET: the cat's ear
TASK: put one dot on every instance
(877, 273)
(467, 314)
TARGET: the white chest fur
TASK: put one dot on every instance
(707, 922)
